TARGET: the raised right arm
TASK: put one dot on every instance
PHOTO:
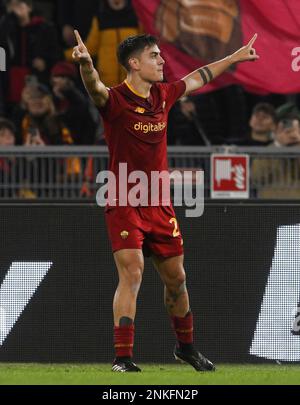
(90, 77)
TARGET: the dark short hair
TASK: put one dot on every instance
(292, 116)
(38, 90)
(266, 108)
(134, 45)
(7, 124)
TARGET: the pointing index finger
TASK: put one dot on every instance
(78, 37)
(251, 42)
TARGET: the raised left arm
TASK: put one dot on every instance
(206, 74)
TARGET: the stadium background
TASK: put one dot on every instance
(229, 255)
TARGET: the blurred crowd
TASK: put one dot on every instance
(43, 101)
(42, 97)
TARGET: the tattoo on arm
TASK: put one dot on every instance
(206, 74)
(208, 71)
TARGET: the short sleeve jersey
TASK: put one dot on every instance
(136, 127)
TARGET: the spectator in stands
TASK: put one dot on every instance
(287, 109)
(262, 126)
(31, 46)
(20, 110)
(7, 133)
(74, 108)
(280, 177)
(40, 124)
(288, 131)
(115, 21)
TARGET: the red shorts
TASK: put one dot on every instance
(153, 229)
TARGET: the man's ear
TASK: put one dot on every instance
(134, 63)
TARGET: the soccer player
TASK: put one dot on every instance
(135, 115)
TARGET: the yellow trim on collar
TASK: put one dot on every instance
(133, 90)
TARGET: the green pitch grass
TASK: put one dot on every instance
(100, 374)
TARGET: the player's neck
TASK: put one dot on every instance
(138, 86)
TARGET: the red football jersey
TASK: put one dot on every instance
(136, 127)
